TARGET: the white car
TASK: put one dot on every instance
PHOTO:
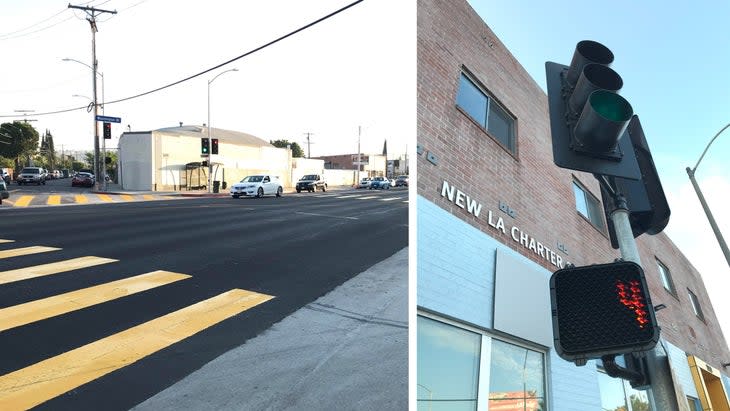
(364, 182)
(257, 186)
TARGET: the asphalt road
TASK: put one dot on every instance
(224, 271)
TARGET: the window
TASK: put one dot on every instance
(516, 380)
(588, 206)
(449, 359)
(696, 305)
(617, 395)
(486, 112)
(666, 278)
(448, 367)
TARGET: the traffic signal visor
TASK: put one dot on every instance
(601, 310)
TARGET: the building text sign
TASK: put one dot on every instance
(473, 207)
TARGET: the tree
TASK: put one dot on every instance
(23, 141)
(48, 152)
(296, 151)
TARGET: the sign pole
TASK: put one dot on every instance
(662, 386)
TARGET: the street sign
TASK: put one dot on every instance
(108, 119)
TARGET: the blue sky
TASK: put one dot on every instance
(674, 58)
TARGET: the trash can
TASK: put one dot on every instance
(216, 186)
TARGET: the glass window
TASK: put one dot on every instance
(448, 367)
(666, 277)
(696, 305)
(588, 206)
(694, 404)
(486, 112)
(517, 380)
(618, 395)
(472, 100)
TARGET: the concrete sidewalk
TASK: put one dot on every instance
(346, 351)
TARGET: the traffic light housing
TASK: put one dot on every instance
(602, 309)
(588, 118)
(648, 208)
(214, 147)
(107, 131)
(204, 147)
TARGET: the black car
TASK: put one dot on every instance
(401, 181)
(311, 183)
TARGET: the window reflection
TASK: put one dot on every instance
(448, 367)
(517, 378)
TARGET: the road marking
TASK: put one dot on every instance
(325, 215)
(37, 310)
(105, 197)
(391, 199)
(23, 201)
(25, 251)
(81, 199)
(53, 200)
(349, 196)
(52, 268)
(148, 197)
(38, 383)
(6, 241)
(126, 197)
(367, 198)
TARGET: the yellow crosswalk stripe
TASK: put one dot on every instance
(148, 197)
(6, 241)
(105, 197)
(25, 251)
(53, 200)
(126, 197)
(81, 199)
(51, 268)
(37, 310)
(23, 201)
(37, 383)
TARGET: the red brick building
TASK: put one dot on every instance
(496, 217)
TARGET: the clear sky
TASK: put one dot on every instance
(674, 59)
(354, 69)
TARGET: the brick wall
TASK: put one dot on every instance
(451, 36)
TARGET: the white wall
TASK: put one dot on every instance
(135, 161)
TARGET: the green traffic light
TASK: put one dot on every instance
(611, 106)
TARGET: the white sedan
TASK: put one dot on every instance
(257, 186)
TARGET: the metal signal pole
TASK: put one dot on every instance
(92, 13)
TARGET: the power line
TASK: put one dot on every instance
(248, 53)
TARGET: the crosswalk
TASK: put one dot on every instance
(37, 383)
(90, 198)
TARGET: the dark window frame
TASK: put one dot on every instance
(666, 275)
(590, 200)
(511, 144)
(696, 307)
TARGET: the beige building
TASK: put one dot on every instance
(170, 159)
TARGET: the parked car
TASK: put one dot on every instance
(257, 186)
(401, 181)
(364, 182)
(311, 183)
(83, 180)
(56, 174)
(32, 175)
(5, 176)
(3, 191)
(379, 182)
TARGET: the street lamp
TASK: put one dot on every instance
(715, 228)
(95, 72)
(210, 143)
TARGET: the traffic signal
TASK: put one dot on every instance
(107, 130)
(601, 309)
(587, 116)
(648, 208)
(214, 147)
(204, 148)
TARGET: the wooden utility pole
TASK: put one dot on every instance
(309, 152)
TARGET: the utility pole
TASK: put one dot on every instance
(309, 152)
(92, 13)
(359, 159)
